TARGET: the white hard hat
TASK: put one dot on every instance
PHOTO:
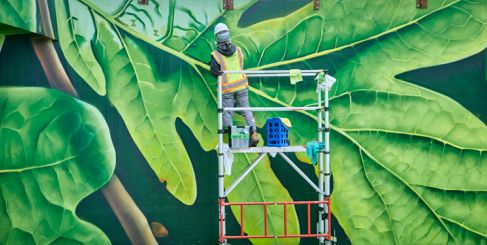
(221, 27)
(222, 33)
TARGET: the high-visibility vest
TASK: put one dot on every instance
(234, 62)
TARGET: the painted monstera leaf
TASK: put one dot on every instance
(408, 163)
(151, 85)
(55, 151)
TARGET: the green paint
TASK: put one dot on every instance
(134, 70)
(112, 7)
(10, 30)
(148, 19)
(367, 98)
(75, 31)
(130, 77)
(20, 14)
(57, 150)
(407, 161)
(307, 33)
(463, 81)
(266, 10)
(2, 39)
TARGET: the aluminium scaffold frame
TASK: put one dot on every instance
(323, 186)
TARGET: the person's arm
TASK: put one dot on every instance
(214, 67)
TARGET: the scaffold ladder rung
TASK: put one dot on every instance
(290, 108)
(270, 149)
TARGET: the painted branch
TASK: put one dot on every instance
(56, 76)
(132, 219)
(45, 18)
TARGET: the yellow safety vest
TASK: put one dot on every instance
(234, 62)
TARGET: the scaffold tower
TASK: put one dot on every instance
(323, 233)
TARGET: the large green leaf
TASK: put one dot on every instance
(112, 7)
(55, 151)
(10, 30)
(142, 91)
(369, 99)
(306, 33)
(176, 24)
(154, 25)
(20, 14)
(140, 77)
(131, 78)
(75, 34)
(365, 44)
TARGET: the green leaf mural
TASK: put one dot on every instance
(407, 162)
(20, 14)
(56, 150)
(75, 34)
(140, 77)
(2, 39)
(146, 100)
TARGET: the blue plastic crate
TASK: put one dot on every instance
(277, 132)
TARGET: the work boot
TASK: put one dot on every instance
(254, 139)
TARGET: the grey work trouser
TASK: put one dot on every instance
(238, 98)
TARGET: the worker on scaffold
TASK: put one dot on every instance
(235, 87)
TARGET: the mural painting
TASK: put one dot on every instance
(108, 119)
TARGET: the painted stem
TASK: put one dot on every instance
(128, 213)
(55, 73)
(132, 219)
(45, 18)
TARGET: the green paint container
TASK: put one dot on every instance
(239, 137)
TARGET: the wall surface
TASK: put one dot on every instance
(138, 104)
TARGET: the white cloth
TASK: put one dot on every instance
(227, 159)
(327, 84)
